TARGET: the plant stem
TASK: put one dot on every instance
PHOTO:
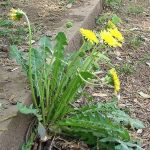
(30, 61)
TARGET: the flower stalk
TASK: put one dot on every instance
(17, 14)
(30, 60)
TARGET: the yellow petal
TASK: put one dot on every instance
(108, 38)
(111, 24)
(117, 34)
(89, 35)
(116, 80)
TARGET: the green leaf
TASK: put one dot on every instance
(57, 67)
(18, 55)
(28, 110)
(67, 97)
(123, 118)
(61, 38)
(86, 75)
(133, 145)
(87, 46)
(37, 60)
(116, 20)
(92, 125)
(69, 24)
(119, 116)
(135, 123)
(6, 23)
(46, 44)
(103, 57)
(127, 146)
(28, 145)
(120, 145)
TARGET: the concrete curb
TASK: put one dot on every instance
(13, 137)
(94, 9)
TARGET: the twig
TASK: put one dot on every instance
(59, 138)
(145, 145)
(56, 147)
(29, 130)
(40, 146)
(51, 146)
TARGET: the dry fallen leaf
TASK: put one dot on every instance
(12, 97)
(144, 95)
(69, 5)
(118, 58)
(147, 63)
(117, 53)
(99, 95)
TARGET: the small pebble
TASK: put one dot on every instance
(139, 131)
(13, 102)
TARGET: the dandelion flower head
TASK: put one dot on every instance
(111, 24)
(116, 80)
(16, 14)
(117, 34)
(89, 35)
(109, 39)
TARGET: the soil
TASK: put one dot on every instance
(46, 16)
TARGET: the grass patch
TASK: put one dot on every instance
(144, 58)
(135, 41)
(14, 35)
(126, 68)
(5, 3)
(113, 3)
(103, 19)
(133, 9)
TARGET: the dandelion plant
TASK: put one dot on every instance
(55, 79)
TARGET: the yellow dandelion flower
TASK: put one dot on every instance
(16, 14)
(108, 38)
(89, 35)
(116, 80)
(111, 24)
(117, 34)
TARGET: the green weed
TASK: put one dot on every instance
(113, 3)
(5, 3)
(55, 80)
(133, 9)
(13, 35)
(69, 24)
(104, 18)
(135, 41)
(71, 1)
(126, 68)
(30, 142)
(144, 58)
